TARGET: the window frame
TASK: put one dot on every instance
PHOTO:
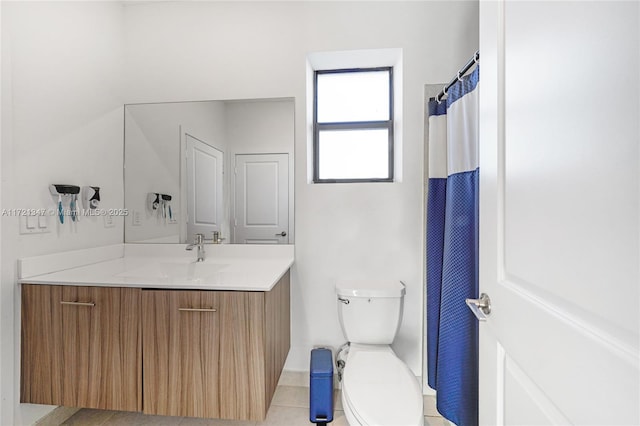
(352, 125)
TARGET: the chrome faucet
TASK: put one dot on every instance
(216, 238)
(198, 242)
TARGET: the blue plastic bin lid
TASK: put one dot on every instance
(321, 363)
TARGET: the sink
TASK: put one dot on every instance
(176, 271)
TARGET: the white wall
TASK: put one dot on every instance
(216, 50)
(62, 119)
(260, 127)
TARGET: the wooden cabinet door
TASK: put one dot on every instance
(181, 353)
(81, 347)
(242, 356)
(254, 343)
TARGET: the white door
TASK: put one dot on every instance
(559, 197)
(261, 199)
(204, 169)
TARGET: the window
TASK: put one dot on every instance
(353, 125)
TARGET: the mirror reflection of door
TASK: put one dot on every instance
(204, 170)
(261, 214)
(155, 160)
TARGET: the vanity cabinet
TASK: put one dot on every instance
(216, 354)
(81, 347)
(196, 353)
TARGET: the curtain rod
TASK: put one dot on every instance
(463, 70)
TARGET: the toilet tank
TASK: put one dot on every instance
(370, 312)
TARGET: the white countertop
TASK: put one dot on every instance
(225, 268)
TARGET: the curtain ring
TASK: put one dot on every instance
(476, 57)
(459, 79)
(438, 99)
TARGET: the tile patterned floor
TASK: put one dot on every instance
(290, 407)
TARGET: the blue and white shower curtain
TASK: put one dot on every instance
(452, 251)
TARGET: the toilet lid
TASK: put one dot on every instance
(381, 390)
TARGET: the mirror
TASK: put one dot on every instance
(223, 169)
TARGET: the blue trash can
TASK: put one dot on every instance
(321, 386)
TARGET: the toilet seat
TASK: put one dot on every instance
(379, 389)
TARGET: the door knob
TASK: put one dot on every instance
(480, 307)
(282, 234)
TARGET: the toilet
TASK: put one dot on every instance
(378, 389)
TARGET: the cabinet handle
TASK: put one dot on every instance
(91, 304)
(198, 309)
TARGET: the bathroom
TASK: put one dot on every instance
(68, 69)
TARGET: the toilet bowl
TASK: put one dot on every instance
(378, 389)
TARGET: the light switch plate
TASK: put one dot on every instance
(108, 221)
(136, 218)
(43, 221)
(34, 224)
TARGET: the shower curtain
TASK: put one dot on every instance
(452, 251)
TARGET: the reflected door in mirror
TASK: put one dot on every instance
(261, 199)
(204, 168)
